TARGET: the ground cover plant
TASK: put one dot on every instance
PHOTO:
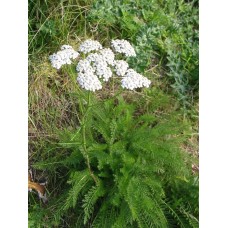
(115, 152)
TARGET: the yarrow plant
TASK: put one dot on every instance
(95, 66)
(120, 163)
(98, 63)
(112, 157)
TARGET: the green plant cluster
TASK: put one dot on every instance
(135, 163)
(165, 30)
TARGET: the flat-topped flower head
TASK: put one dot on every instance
(133, 80)
(63, 57)
(100, 65)
(103, 71)
(89, 81)
(84, 66)
(70, 53)
(95, 58)
(89, 45)
(108, 55)
(124, 47)
(66, 46)
(56, 61)
(120, 67)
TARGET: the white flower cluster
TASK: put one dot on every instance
(103, 72)
(86, 77)
(133, 80)
(108, 55)
(120, 67)
(99, 64)
(63, 57)
(84, 66)
(124, 47)
(89, 81)
(65, 46)
(89, 45)
(94, 58)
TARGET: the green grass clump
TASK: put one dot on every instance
(52, 23)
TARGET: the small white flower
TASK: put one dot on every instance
(65, 46)
(56, 61)
(84, 66)
(89, 81)
(95, 58)
(89, 45)
(124, 47)
(103, 71)
(133, 80)
(100, 65)
(120, 67)
(74, 55)
(108, 55)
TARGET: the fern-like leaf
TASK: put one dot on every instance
(90, 200)
(78, 180)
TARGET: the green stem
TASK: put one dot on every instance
(82, 121)
(85, 152)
